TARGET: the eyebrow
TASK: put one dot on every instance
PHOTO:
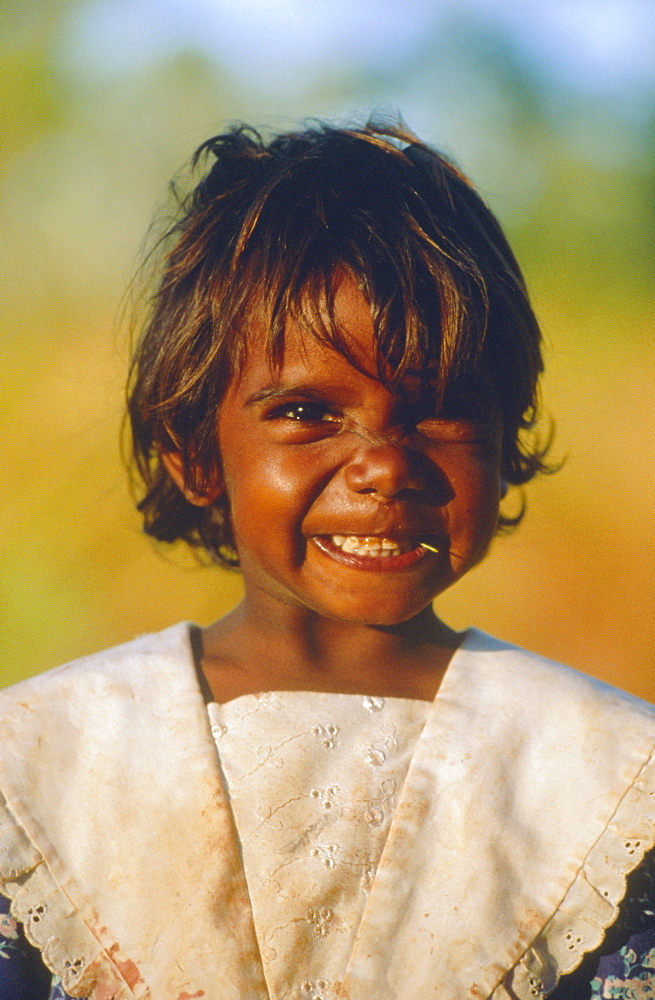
(272, 392)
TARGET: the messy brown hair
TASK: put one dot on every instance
(262, 234)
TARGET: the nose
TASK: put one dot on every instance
(388, 470)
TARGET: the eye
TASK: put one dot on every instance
(305, 412)
(458, 431)
(303, 421)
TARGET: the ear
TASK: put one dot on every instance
(176, 469)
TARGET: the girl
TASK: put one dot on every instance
(329, 793)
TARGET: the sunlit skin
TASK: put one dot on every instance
(319, 449)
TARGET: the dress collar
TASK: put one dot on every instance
(523, 769)
(520, 771)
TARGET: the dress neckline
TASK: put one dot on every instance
(468, 641)
(320, 697)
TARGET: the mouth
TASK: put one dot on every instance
(375, 552)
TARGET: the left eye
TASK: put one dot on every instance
(457, 431)
(306, 413)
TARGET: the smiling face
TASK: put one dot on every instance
(334, 481)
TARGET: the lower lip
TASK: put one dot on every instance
(375, 564)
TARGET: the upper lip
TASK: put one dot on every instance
(382, 524)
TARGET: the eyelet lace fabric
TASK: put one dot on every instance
(49, 921)
(592, 903)
(498, 857)
(313, 781)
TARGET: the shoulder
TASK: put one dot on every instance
(99, 700)
(118, 670)
(579, 761)
(544, 689)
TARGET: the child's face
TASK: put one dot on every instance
(319, 452)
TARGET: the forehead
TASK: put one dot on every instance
(336, 348)
(309, 345)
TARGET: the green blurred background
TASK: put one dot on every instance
(549, 106)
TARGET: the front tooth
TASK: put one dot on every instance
(361, 545)
(350, 544)
(367, 545)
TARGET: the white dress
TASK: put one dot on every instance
(529, 796)
(313, 781)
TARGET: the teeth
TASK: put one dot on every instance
(367, 545)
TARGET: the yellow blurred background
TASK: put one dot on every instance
(102, 102)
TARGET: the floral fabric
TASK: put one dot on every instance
(628, 973)
(22, 973)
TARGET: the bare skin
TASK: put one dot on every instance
(296, 651)
(320, 452)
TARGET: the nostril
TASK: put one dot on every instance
(393, 473)
(387, 470)
(382, 483)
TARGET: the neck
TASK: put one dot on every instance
(284, 647)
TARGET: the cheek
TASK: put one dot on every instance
(287, 475)
(474, 509)
(268, 495)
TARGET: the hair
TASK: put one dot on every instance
(262, 236)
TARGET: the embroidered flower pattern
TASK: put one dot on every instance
(326, 797)
(269, 700)
(327, 735)
(374, 757)
(573, 940)
(374, 813)
(390, 741)
(35, 914)
(268, 755)
(319, 989)
(321, 919)
(325, 853)
(536, 988)
(366, 881)
(627, 974)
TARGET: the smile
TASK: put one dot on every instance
(370, 546)
(372, 552)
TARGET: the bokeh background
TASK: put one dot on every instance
(549, 105)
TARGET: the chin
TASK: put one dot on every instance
(376, 617)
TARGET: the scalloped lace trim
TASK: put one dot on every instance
(576, 928)
(51, 923)
(591, 904)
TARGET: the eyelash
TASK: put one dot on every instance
(306, 412)
(319, 418)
